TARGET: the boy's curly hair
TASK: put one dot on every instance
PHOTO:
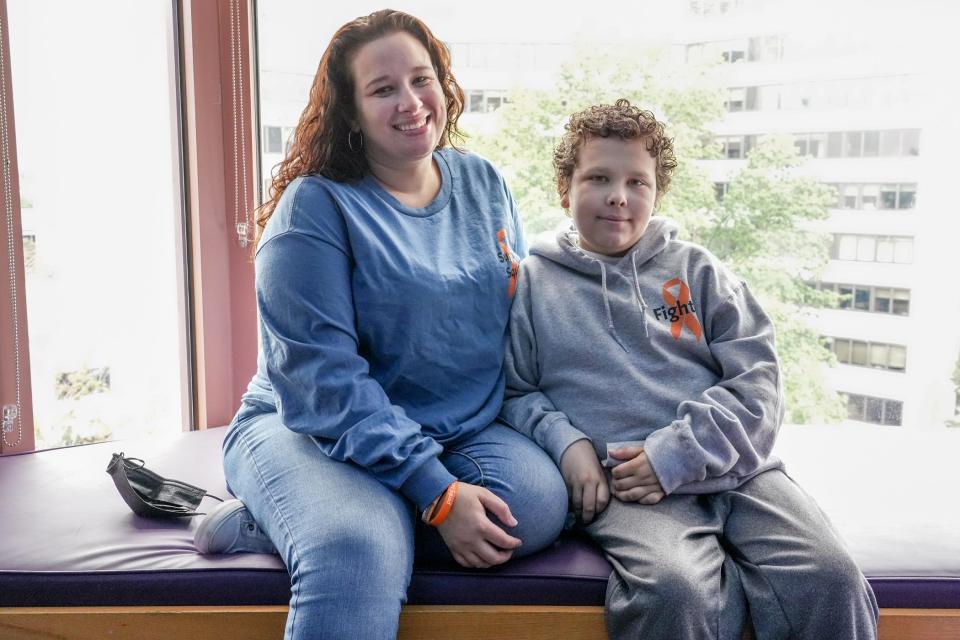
(624, 121)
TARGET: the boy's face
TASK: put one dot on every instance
(612, 192)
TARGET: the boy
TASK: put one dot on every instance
(632, 347)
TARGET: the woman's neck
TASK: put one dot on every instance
(415, 184)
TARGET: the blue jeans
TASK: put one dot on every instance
(348, 541)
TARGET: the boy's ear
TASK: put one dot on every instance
(565, 200)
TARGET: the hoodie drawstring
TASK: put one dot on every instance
(640, 301)
(606, 304)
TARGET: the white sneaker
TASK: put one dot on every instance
(229, 528)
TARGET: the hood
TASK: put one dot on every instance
(566, 251)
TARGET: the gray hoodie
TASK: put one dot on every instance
(663, 345)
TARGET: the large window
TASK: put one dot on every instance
(866, 248)
(871, 197)
(876, 410)
(869, 354)
(861, 297)
(97, 129)
(834, 88)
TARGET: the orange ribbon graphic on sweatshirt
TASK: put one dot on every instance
(513, 266)
(684, 313)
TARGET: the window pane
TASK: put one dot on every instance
(890, 143)
(847, 248)
(852, 141)
(881, 300)
(874, 412)
(818, 145)
(898, 357)
(861, 299)
(97, 120)
(476, 101)
(903, 251)
(841, 348)
(908, 196)
(892, 412)
(858, 354)
(856, 407)
(871, 195)
(274, 140)
(878, 355)
(911, 142)
(866, 248)
(901, 302)
(871, 143)
(885, 250)
(888, 196)
(834, 144)
(846, 296)
(851, 194)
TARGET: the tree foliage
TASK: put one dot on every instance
(760, 229)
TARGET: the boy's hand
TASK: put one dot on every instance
(473, 538)
(585, 480)
(635, 480)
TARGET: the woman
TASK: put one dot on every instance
(385, 271)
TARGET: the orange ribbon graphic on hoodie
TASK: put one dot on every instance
(681, 311)
(514, 267)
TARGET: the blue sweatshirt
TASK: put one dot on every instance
(382, 326)
(663, 345)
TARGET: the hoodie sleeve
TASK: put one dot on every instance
(321, 383)
(525, 407)
(730, 428)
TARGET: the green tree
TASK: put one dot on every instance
(758, 229)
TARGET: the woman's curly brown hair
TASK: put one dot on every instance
(320, 144)
(624, 121)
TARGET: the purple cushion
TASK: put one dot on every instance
(69, 540)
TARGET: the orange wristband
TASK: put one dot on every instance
(443, 506)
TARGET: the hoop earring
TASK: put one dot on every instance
(350, 141)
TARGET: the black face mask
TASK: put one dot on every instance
(150, 494)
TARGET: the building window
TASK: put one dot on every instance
(273, 139)
(485, 101)
(857, 144)
(735, 147)
(869, 197)
(741, 99)
(875, 410)
(720, 190)
(877, 355)
(863, 248)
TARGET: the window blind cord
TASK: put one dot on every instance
(239, 130)
(11, 413)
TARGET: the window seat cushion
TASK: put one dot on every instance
(67, 538)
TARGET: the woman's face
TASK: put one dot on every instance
(401, 109)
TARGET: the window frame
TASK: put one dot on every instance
(214, 59)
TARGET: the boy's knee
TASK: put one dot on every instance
(836, 573)
(680, 591)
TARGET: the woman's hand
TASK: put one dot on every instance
(586, 483)
(635, 480)
(472, 537)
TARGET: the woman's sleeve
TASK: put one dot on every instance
(730, 428)
(525, 407)
(321, 382)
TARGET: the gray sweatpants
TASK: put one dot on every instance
(696, 566)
